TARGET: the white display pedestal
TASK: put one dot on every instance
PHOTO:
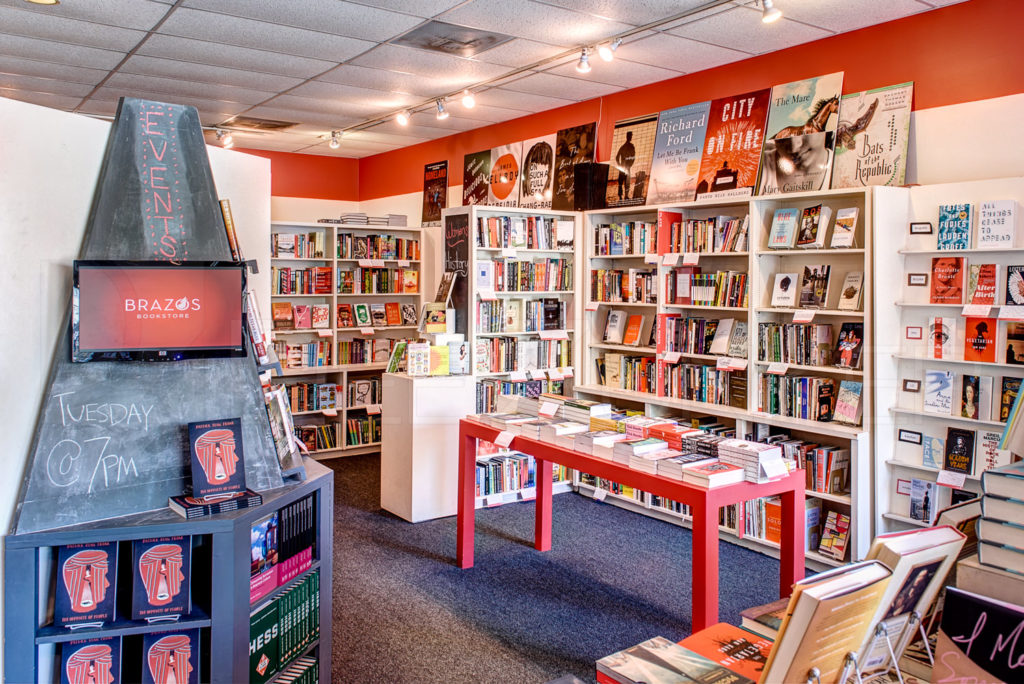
(420, 449)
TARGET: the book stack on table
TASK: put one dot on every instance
(1001, 528)
(760, 462)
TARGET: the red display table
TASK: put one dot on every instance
(704, 505)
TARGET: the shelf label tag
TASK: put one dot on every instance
(377, 263)
(566, 371)
(324, 333)
(778, 368)
(548, 409)
(504, 438)
(404, 263)
(487, 294)
(738, 364)
(1012, 313)
(591, 306)
(651, 259)
(672, 357)
(329, 412)
(803, 316)
(670, 259)
(373, 409)
(774, 467)
(554, 335)
(528, 493)
(539, 374)
(492, 500)
(364, 263)
(509, 252)
(691, 259)
(723, 363)
(976, 310)
(517, 376)
(950, 479)
(366, 331)
(600, 494)
(554, 374)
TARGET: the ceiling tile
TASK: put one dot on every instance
(373, 135)
(326, 106)
(847, 15)
(177, 86)
(527, 102)
(63, 102)
(683, 54)
(134, 14)
(99, 107)
(379, 99)
(331, 16)
(635, 12)
(351, 74)
(420, 8)
(527, 19)
(204, 73)
(618, 72)
(518, 53)
(44, 50)
(44, 85)
(742, 29)
(260, 35)
(64, 72)
(111, 92)
(422, 125)
(452, 72)
(328, 120)
(57, 29)
(484, 113)
(231, 56)
(552, 85)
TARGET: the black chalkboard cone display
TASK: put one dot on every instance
(111, 438)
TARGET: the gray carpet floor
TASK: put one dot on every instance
(405, 613)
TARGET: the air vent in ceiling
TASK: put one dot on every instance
(253, 124)
(451, 39)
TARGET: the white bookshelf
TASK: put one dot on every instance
(901, 308)
(336, 373)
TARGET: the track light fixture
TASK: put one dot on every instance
(225, 139)
(468, 100)
(607, 50)
(442, 113)
(402, 117)
(769, 12)
(583, 66)
(335, 140)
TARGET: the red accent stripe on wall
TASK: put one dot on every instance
(311, 176)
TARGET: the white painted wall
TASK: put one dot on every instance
(49, 168)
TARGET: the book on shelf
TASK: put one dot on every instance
(320, 316)
(378, 315)
(91, 660)
(980, 339)
(828, 617)
(363, 317)
(190, 507)
(976, 397)
(1008, 390)
(161, 578)
(835, 536)
(845, 229)
(86, 584)
(814, 222)
(722, 337)
(282, 431)
(264, 642)
(851, 292)
(938, 392)
(303, 316)
(947, 281)
(814, 286)
(974, 639)
(981, 283)
(849, 403)
(923, 500)
(660, 660)
(282, 317)
(636, 325)
(997, 225)
(783, 231)
(263, 556)
(850, 345)
(959, 454)
(941, 336)
(171, 657)
(346, 316)
(1015, 342)
(738, 340)
(615, 326)
(515, 315)
(784, 292)
(956, 222)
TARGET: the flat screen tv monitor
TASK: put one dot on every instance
(157, 311)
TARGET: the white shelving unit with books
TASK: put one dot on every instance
(954, 306)
(359, 285)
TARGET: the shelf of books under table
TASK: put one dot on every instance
(29, 648)
(930, 271)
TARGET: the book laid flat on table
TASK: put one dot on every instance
(660, 661)
(737, 649)
(190, 507)
(765, 620)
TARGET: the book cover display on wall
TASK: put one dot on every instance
(503, 180)
(538, 170)
(476, 173)
(573, 146)
(732, 145)
(800, 135)
(678, 147)
(435, 192)
(872, 137)
(632, 153)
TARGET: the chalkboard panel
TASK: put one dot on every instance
(457, 242)
(112, 437)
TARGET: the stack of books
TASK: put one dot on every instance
(562, 433)
(639, 427)
(673, 433)
(579, 410)
(598, 443)
(712, 473)
(1001, 528)
(673, 467)
(628, 448)
(355, 217)
(649, 462)
(761, 462)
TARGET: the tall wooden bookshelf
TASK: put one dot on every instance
(333, 368)
(905, 355)
(744, 370)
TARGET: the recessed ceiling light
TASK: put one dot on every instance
(225, 139)
(769, 12)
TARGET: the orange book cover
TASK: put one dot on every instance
(743, 652)
(394, 313)
(773, 520)
(634, 325)
(980, 339)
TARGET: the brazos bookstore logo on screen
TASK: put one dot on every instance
(162, 308)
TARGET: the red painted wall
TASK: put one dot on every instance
(311, 176)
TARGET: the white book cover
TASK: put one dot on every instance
(850, 294)
(845, 229)
(784, 293)
(941, 337)
(720, 342)
(985, 397)
(485, 275)
(938, 392)
(738, 340)
(615, 327)
(997, 224)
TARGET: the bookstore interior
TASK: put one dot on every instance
(740, 281)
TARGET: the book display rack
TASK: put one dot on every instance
(955, 355)
(342, 295)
